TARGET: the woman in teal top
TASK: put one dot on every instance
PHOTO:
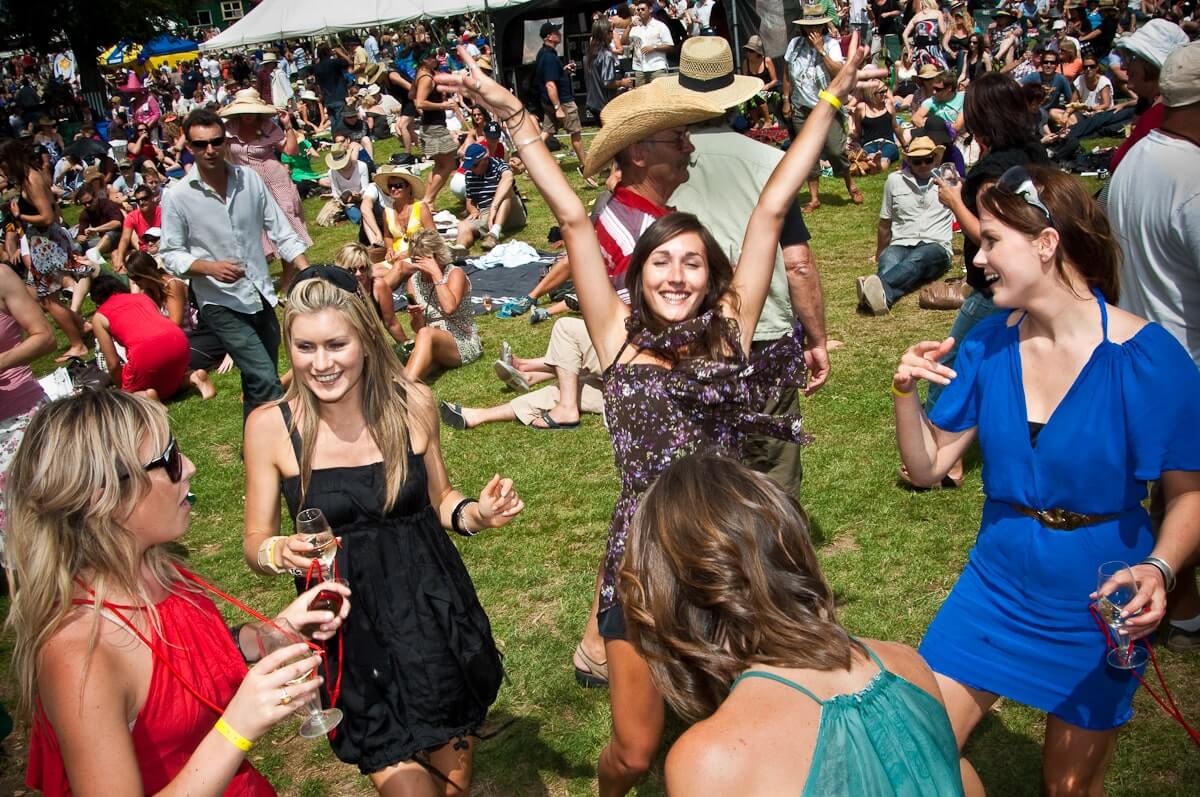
(724, 598)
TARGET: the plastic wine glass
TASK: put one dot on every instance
(1122, 586)
(313, 523)
(318, 721)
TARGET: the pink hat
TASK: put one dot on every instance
(132, 84)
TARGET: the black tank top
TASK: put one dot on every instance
(432, 117)
(876, 127)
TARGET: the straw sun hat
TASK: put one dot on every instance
(247, 101)
(385, 173)
(813, 14)
(639, 114)
(923, 147)
(706, 71)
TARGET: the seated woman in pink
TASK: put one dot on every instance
(156, 349)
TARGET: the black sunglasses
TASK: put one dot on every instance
(171, 460)
(203, 144)
(925, 161)
(1091, 66)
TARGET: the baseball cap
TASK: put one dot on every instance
(1154, 41)
(548, 28)
(1179, 82)
(153, 232)
(1059, 24)
(474, 154)
(491, 130)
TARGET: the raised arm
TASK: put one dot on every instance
(603, 312)
(752, 277)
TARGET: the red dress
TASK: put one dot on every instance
(173, 721)
(156, 350)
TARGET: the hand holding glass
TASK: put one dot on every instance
(313, 522)
(1116, 587)
(318, 721)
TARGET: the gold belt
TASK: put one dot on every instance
(1062, 519)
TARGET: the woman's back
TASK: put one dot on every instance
(134, 319)
(879, 728)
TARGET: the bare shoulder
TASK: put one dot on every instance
(709, 759)
(420, 398)
(265, 424)
(1123, 325)
(907, 663)
(64, 662)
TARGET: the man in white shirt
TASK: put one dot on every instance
(213, 222)
(371, 45)
(701, 15)
(651, 41)
(212, 69)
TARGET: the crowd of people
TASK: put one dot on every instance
(689, 312)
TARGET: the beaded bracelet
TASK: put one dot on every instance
(456, 518)
(235, 738)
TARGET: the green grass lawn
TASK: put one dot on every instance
(891, 555)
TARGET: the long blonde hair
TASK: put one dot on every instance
(74, 479)
(384, 397)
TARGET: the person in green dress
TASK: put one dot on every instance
(724, 598)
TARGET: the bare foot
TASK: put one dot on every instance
(201, 382)
(833, 345)
(74, 351)
(812, 205)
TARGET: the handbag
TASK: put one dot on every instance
(87, 375)
(329, 213)
(946, 295)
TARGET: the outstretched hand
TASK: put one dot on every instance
(480, 88)
(499, 502)
(921, 361)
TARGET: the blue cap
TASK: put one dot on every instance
(474, 154)
(491, 130)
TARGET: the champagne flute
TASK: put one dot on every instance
(313, 522)
(1122, 587)
(318, 721)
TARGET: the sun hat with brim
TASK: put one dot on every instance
(270, 57)
(337, 158)
(706, 69)
(371, 74)
(1059, 24)
(309, 94)
(1179, 82)
(813, 15)
(923, 147)
(928, 72)
(484, 62)
(385, 173)
(1154, 41)
(755, 45)
(245, 102)
(91, 173)
(639, 114)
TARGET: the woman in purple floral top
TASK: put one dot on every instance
(681, 376)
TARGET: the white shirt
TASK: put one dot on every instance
(213, 69)
(916, 213)
(372, 48)
(702, 13)
(198, 224)
(1092, 96)
(806, 69)
(356, 183)
(1154, 207)
(281, 88)
(652, 34)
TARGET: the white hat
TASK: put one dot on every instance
(1059, 24)
(1154, 41)
(153, 232)
(1179, 82)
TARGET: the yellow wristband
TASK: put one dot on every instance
(898, 392)
(235, 738)
(830, 98)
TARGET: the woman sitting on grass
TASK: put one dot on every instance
(724, 598)
(448, 338)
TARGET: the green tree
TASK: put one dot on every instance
(88, 26)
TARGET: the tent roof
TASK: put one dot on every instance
(167, 45)
(288, 19)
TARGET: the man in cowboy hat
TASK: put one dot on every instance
(811, 59)
(493, 207)
(729, 173)
(213, 225)
(914, 242)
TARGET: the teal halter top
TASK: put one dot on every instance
(889, 738)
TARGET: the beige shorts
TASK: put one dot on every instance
(571, 349)
(515, 221)
(436, 140)
(570, 122)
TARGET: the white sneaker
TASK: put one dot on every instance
(871, 296)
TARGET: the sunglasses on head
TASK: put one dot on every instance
(205, 143)
(1017, 181)
(170, 460)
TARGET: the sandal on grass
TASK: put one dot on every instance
(593, 674)
(811, 206)
(551, 424)
(452, 415)
(947, 483)
(510, 376)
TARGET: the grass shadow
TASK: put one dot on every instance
(520, 739)
(1006, 760)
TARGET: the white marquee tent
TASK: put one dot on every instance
(289, 19)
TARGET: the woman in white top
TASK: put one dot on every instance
(1092, 89)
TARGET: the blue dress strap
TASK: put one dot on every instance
(1103, 311)
(778, 679)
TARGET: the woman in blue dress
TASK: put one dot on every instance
(1077, 405)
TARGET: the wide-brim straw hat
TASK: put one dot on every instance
(928, 72)
(337, 158)
(813, 15)
(371, 74)
(706, 69)
(385, 173)
(309, 94)
(247, 101)
(922, 147)
(484, 62)
(270, 57)
(755, 45)
(639, 114)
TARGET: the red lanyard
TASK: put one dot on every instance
(314, 569)
(1169, 704)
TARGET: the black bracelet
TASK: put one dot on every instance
(236, 633)
(513, 115)
(456, 518)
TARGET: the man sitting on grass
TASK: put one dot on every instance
(493, 207)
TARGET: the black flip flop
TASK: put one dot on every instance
(553, 425)
(452, 415)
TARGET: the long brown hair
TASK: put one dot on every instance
(720, 278)
(601, 38)
(718, 575)
(1086, 242)
(143, 269)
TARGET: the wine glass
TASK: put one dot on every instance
(1122, 587)
(327, 600)
(313, 523)
(318, 721)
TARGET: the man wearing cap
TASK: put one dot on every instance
(551, 77)
(811, 59)
(353, 128)
(944, 101)
(722, 190)
(127, 180)
(1144, 53)
(1154, 206)
(493, 207)
(147, 214)
(914, 241)
(650, 40)
(1059, 29)
(213, 225)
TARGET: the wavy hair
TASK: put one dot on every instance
(718, 575)
(720, 278)
(75, 478)
(1087, 245)
(384, 401)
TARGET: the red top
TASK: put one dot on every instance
(173, 722)
(619, 226)
(1151, 120)
(135, 320)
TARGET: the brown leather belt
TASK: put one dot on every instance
(1062, 519)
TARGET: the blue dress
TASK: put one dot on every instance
(1017, 622)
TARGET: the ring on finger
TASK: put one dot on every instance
(284, 696)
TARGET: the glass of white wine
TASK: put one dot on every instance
(313, 523)
(1121, 586)
(318, 721)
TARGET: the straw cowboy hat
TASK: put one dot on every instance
(928, 72)
(484, 62)
(641, 113)
(923, 147)
(813, 14)
(387, 172)
(337, 158)
(706, 70)
(372, 74)
(247, 101)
